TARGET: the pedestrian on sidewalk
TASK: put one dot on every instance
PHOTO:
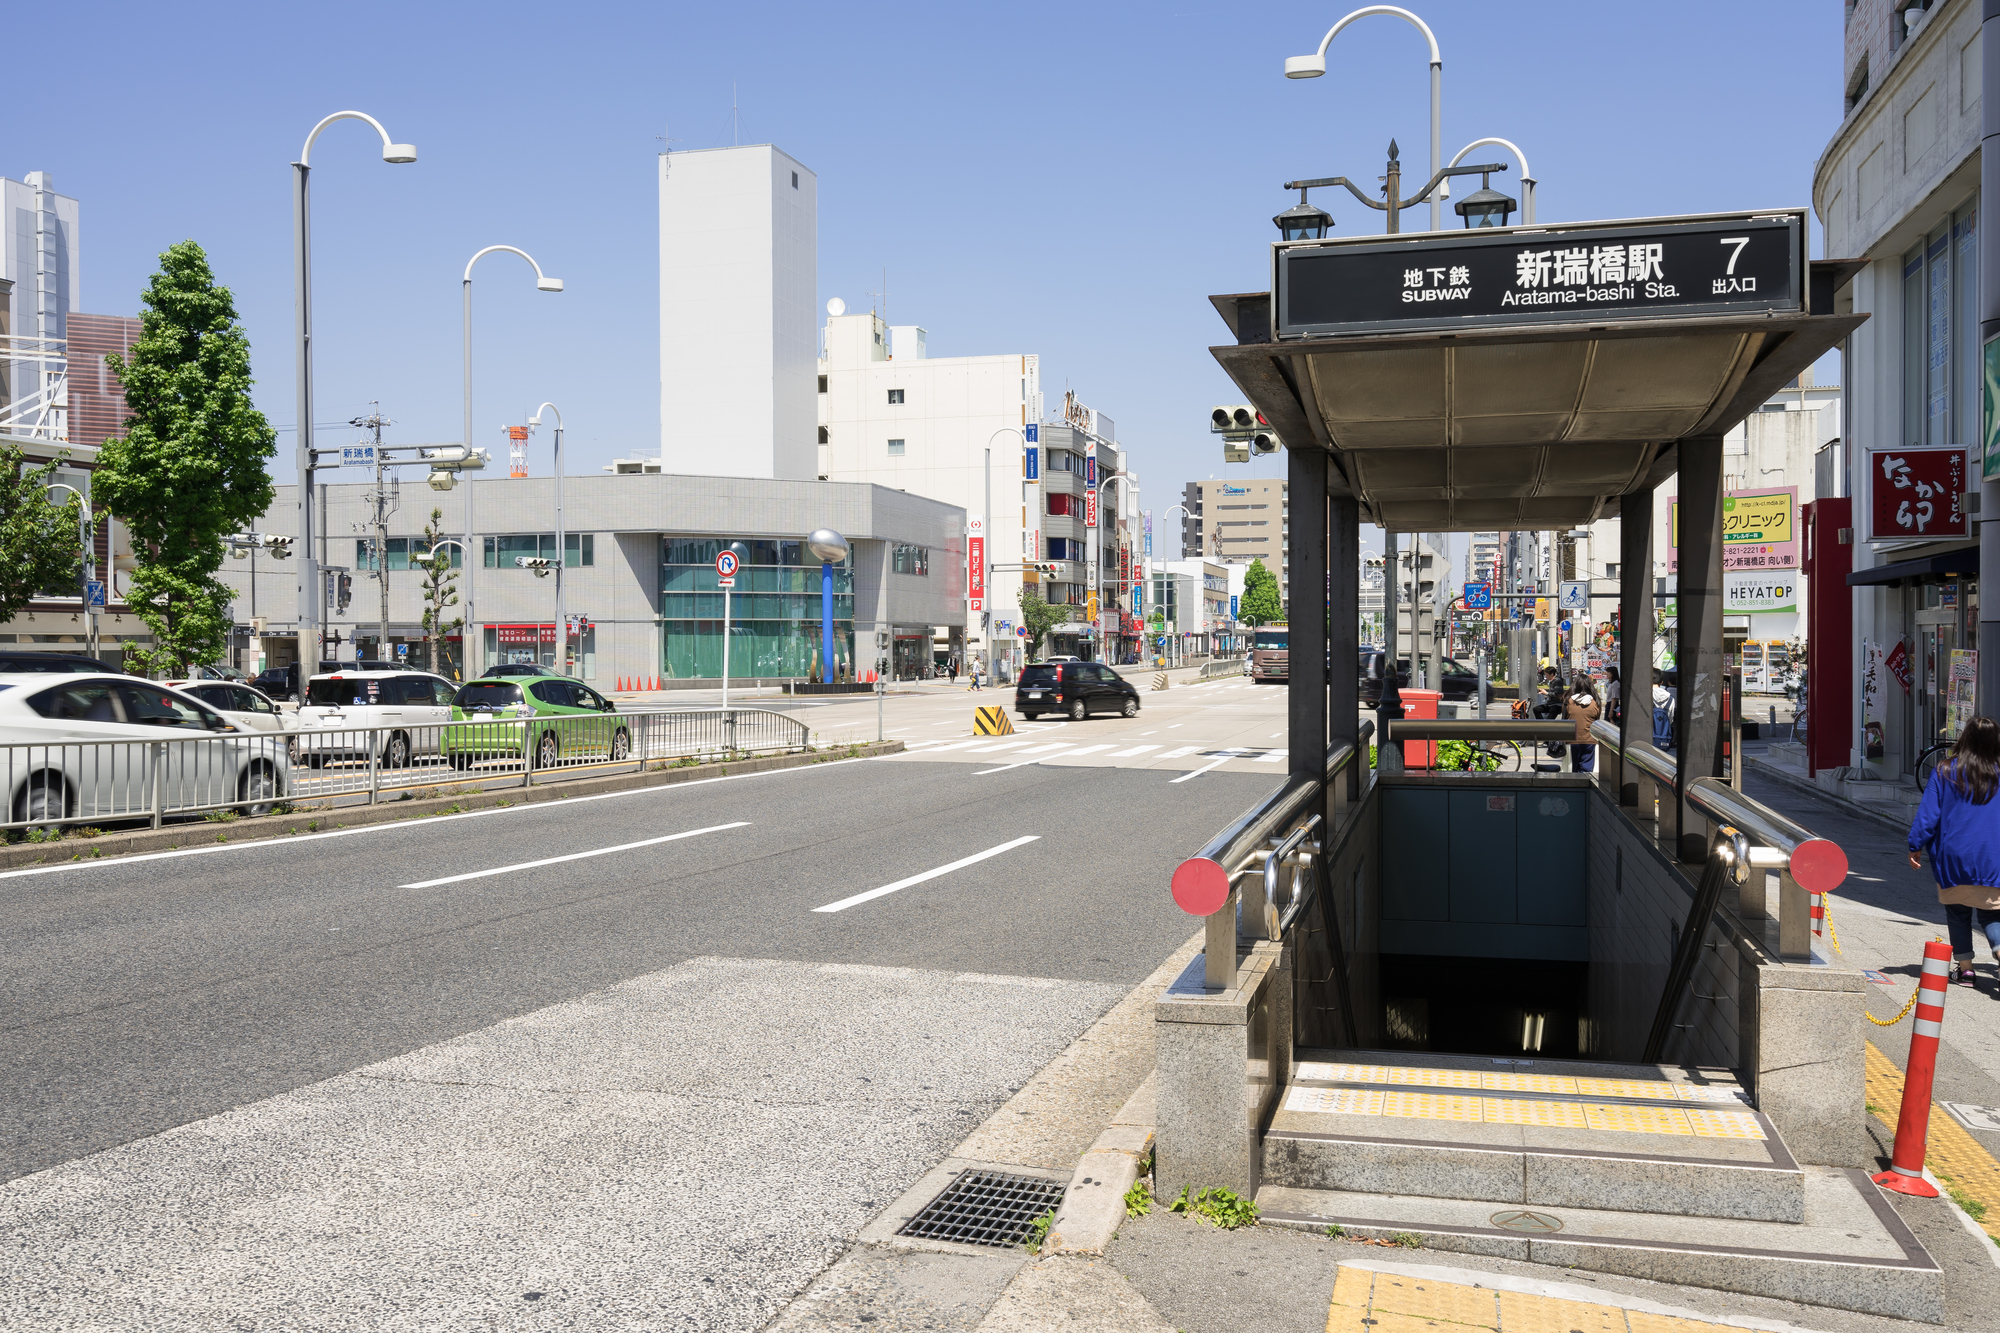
(1582, 706)
(951, 665)
(1959, 825)
(1613, 704)
(1663, 716)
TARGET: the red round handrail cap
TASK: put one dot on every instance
(1819, 866)
(1200, 886)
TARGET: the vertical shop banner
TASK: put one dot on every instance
(975, 561)
(1149, 534)
(1916, 494)
(1871, 700)
(1090, 509)
(1898, 664)
(1989, 408)
(1959, 690)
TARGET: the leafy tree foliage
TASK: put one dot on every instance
(1038, 618)
(440, 587)
(191, 468)
(1261, 604)
(40, 545)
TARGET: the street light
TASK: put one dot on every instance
(1393, 201)
(562, 551)
(830, 548)
(986, 574)
(1484, 207)
(474, 643)
(86, 557)
(1528, 181)
(1312, 66)
(1303, 222)
(309, 589)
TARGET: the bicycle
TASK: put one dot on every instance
(1480, 757)
(1928, 761)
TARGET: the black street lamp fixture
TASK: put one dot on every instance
(1485, 207)
(1392, 201)
(1303, 222)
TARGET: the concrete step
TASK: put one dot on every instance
(1850, 1252)
(1551, 1133)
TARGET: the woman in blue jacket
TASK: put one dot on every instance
(1959, 825)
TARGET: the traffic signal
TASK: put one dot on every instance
(542, 565)
(1235, 419)
(343, 591)
(1264, 442)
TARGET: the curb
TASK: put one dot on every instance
(1094, 1207)
(1766, 768)
(267, 827)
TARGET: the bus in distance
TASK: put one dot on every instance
(1268, 659)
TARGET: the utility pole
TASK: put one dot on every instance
(1988, 685)
(380, 498)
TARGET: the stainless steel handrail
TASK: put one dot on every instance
(1467, 729)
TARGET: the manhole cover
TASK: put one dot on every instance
(986, 1208)
(1517, 1219)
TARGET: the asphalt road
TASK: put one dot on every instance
(147, 993)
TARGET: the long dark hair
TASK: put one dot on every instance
(1975, 760)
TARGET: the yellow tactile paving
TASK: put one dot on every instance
(1421, 1298)
(1366, 1302)
(1951, 1151)
(1433, 1106)
(1690, 1092)
(1335, 1101)
(1637, 1119)
(1550, 1115)
(1652, 1089)
(1723, 1124)
(1527, 1083)
(1521, 1313)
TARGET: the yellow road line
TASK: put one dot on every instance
(1952, 1154)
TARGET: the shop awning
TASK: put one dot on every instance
(1961, 563)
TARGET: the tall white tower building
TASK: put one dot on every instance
(739, 329)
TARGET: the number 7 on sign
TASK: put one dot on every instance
(1739, 242)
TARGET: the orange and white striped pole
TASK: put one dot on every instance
(1818, 901)
(1906, 1160)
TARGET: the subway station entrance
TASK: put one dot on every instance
(1573, 1018)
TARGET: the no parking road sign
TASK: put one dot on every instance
(725, 568)
(1478, 596)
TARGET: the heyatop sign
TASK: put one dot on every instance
(1592, 272)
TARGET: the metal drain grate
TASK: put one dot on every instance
(986, 1208)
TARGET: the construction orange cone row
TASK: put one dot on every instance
(1906, 1160)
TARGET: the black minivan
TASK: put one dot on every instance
(1076, 689)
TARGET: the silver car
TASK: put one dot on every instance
(85, 747)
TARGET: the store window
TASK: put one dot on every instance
(907, 559)
(1941, 335)
(579, 548)
(774, 611)
(1060, 504)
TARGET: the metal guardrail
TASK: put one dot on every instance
(1221, 666)
(113, 781)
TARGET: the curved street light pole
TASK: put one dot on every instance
(474, 642)
(1312, 66)
(562, 550)
(87, 563)
(1528, 181)
(311, 593)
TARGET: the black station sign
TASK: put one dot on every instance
(1749, 264)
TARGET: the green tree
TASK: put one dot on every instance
(1038, 618)
(191, 468)
(1261, 604)
(440, 586)
(40, 550)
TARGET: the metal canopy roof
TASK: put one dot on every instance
(1521, 426)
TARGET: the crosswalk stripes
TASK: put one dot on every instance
(1021, 752)
(1182, 753)
(1127, 754)
(1274, 757)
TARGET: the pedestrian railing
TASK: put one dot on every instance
(97, 782)
(1221, 666)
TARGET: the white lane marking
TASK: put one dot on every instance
(1274, 757)
(1003, 745)
(953, 745)
(1087, 749)
(886, 889)
(1182, 753)
(574, 856)
(1046, 749)
(1226, 756)
(294, 839)
(1176, 726)
(1276, 734)
(1137, 749)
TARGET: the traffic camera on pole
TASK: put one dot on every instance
(447, 462)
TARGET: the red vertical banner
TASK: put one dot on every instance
(975, 577)
(1828, 705)
(1090, 509)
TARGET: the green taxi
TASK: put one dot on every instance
(558, 720)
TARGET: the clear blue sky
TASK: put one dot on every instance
(1067, 179)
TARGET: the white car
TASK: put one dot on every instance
(87, 747)
(412, 707)
(248, 708)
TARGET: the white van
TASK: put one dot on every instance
(413, 706)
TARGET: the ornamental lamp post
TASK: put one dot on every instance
(1314, 65)
(830, 548)
(1303, 222)
(1484, 207)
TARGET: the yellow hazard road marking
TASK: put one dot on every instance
(1368, 1302)
(1953, 1155)
(991, 721)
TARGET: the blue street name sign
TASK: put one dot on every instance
(1478, 596)
(350, 454)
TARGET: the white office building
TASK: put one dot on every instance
(891, 415)
(738, 274)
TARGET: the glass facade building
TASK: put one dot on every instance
(774, 610)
